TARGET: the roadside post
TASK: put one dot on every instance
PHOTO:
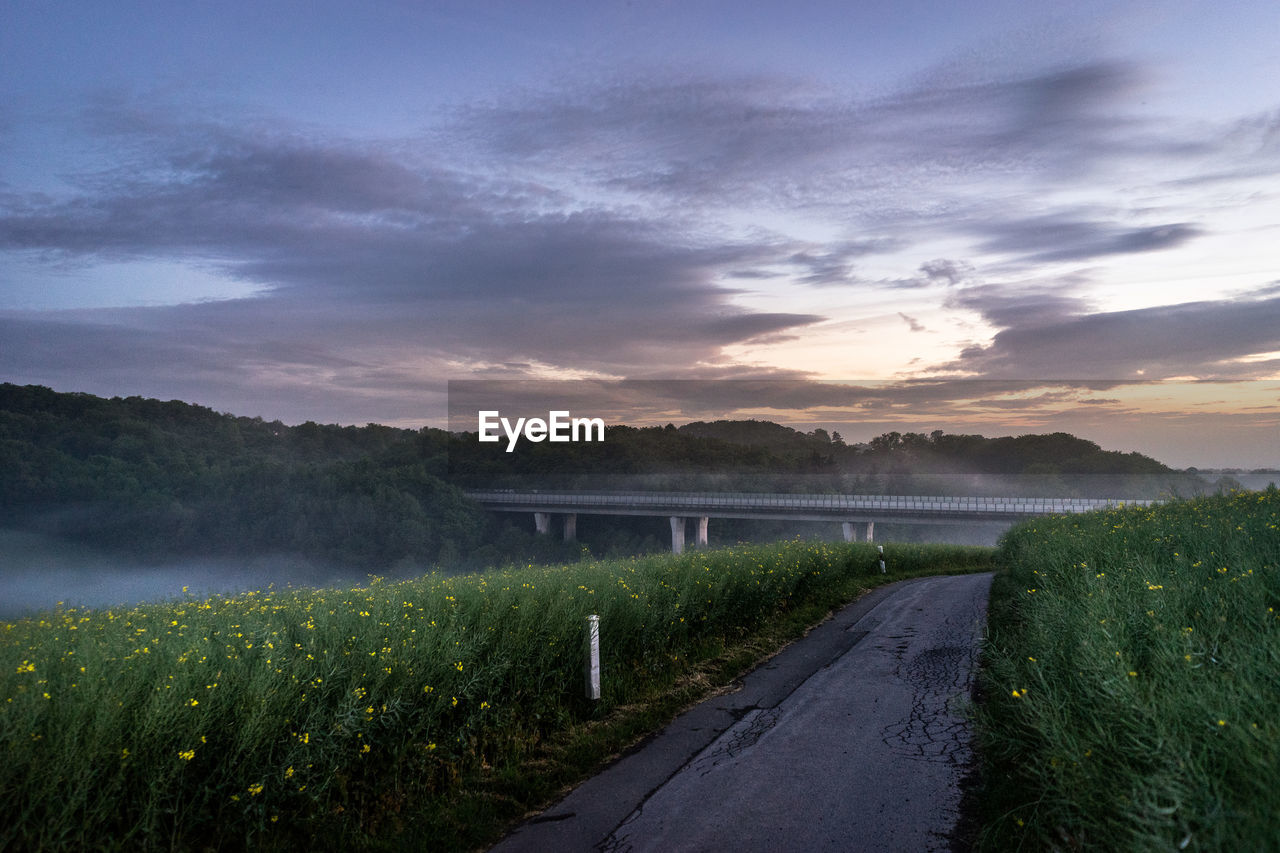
(882, 569)
(593, 657)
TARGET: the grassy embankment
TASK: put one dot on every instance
(1132, 680)
(426, 714)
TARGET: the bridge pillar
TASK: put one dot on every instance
(850, 535)
(571, 527)
(677, 534)
(871, 529)
(542, 522)
(701, 538)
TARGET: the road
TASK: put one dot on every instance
(850, 739)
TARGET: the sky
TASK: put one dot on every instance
(991, 217)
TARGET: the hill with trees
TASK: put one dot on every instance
(157, 479)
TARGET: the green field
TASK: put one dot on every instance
(424, 714)
(1132, 680)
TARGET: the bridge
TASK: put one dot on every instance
(849, 510)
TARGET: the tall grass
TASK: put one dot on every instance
(1132, 680)
(274, 718)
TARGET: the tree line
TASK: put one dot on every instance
(159, 479)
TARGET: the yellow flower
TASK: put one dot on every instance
(185, 755)
(255, 790)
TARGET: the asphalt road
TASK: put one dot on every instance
(850, 739)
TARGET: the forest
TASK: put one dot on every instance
(154, 480)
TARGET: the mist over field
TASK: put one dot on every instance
(38, 572)
(106, 502)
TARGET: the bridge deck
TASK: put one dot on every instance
(797, 507)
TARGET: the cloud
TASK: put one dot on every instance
(787, 142)
(1045, 335)
(911, 322)
(375, 267)
(940, 271)
(1057, 237)
(590, 228)
(834, 264)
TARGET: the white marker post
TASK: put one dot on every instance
(593, 657)
(882, 569)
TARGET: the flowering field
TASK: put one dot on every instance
(328, 717)
(1132, 680)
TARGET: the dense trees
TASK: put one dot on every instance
(157, 479)
(763, 456)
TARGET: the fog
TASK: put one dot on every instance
(37, 572)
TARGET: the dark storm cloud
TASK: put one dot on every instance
(1044, 335)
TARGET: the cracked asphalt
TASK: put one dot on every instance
(852, 738)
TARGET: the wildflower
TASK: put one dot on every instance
(255, 790)
(193, 702)
(185, 755)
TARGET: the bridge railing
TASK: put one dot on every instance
(787, 501)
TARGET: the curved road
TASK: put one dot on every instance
(852, 738)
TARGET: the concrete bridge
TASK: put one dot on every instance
(849, 510)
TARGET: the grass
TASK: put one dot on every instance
(1131, 680)
(425, 714)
